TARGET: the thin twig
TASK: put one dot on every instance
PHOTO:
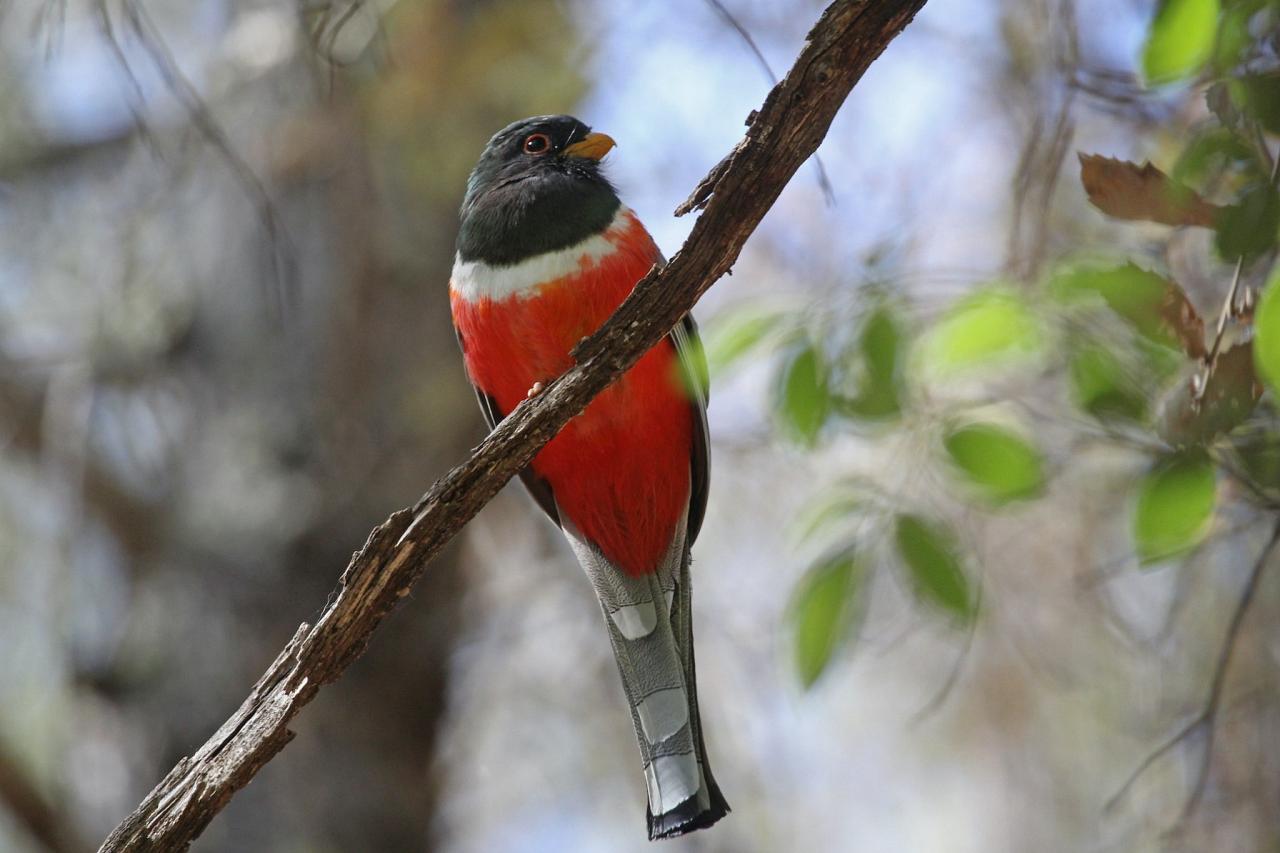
(1068, 49)
(1228, 308)
(283, 262)
(52, 20)
(1229, 304)
(1260, 139)
(941, 695)
(1223, 665)
(1051, 170)
(1040, 161)
(136, 97)
(1207, 717)
(824, 183)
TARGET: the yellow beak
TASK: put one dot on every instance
(593, 146)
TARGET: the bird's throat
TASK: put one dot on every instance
(519, 219)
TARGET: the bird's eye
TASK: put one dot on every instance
(536, 143)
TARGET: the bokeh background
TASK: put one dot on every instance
(226, 229)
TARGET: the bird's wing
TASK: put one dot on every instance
(693, 363)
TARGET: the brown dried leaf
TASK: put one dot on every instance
(1179, 319)
(1189, 415)
(1128, 191)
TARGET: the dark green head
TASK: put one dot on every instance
(537, 188)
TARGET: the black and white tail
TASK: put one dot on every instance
(650, 626)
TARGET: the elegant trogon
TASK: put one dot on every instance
(546, 252)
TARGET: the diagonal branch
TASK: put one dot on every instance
(783, 134)
(824, 183)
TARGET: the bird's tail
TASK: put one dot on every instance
(650, 626)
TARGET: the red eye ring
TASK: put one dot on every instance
(537, 143)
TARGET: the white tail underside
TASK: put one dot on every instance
(639, 613)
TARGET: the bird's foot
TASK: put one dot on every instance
(534, 391)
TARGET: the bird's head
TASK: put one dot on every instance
(537, 188)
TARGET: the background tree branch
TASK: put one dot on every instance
(781, 135)
(32, 808)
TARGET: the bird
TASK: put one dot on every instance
(546, 252)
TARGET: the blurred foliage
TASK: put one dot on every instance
(993, 325)
(185, 470)
(881, 349)
(804, 397)
(736, 335)
(1000, 464)
(1152, 305)
(1174, 506)
(1267, 342)
(1118, 349)
(1102, 388)
(933, 563)
(1180, 40)
(824, 611)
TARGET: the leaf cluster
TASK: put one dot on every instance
(1122, 345)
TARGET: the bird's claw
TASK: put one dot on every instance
(534, 391)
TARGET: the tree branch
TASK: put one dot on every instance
(781, 136)
(824, 183)
(23, 799)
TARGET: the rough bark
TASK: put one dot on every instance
(736, 195)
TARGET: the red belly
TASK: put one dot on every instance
(619, 470)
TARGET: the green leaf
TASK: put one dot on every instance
(804, 399)
(1180, 40)
(1000, 465)
(880, 345)
(1258, 95)
(1266, 343)
(1174, 507)
(1212, 151)
(824, 608)
(1233, 38)
(1159, 363)
(835, 507)
(1255, 455)
(732, 338)
(1101, 387)
(877, 403)
(1249, 227)
(1221, 99)
(992, 325)
(929, 554)
(690, 373)
(1153, 305)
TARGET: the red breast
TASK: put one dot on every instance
(620, 470)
